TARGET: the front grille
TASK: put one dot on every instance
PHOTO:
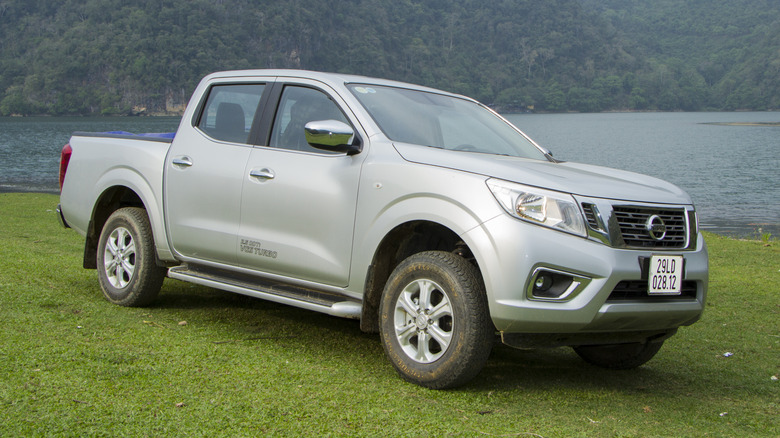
(633, 227)
(633, 290)
(591, 215)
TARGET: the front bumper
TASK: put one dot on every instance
(510, 251)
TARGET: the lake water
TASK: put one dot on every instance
(731, 172)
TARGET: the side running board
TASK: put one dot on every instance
(310, 299)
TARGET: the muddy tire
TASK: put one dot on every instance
(619, 356)
(434, 320)
(127, 269)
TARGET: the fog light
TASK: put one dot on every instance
(554, 285)
(543, 282)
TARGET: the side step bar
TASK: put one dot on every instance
(282, 293)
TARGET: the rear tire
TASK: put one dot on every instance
(127, 269)
(434, 320)
(619, 356)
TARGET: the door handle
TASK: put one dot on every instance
(263, 173)
(183, 161)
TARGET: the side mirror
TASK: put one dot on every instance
(332, 135)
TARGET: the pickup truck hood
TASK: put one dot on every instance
(575, 178)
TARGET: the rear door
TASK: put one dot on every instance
(298, 203)
(205, 173)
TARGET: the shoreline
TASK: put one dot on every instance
(42, 190)
(743, 123)
(751, 231)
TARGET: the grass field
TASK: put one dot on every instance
(201, 362)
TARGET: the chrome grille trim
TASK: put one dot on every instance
(622, 224)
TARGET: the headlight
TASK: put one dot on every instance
(555, 210)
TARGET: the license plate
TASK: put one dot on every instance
(665, 275)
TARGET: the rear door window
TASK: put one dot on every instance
(230, 110)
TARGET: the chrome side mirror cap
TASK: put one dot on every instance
(332, 135)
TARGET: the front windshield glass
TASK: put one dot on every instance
(441, 121)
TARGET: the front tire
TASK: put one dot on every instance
(434, 320)
(619, 356)
(127, 269)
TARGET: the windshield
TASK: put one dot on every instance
(441, 121)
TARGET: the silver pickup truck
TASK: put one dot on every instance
(423, 214)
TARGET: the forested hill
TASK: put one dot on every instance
(146, 56)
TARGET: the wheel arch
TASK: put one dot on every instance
(110, 200)
(403, 241)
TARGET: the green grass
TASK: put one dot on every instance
(71, 364)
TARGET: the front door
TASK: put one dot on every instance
(298, 203)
